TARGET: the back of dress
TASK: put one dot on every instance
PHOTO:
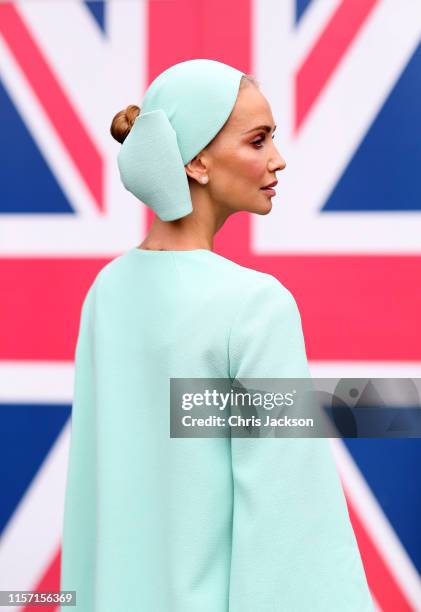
(160, 524)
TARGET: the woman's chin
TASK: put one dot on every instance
(259, 206)
(263, 208)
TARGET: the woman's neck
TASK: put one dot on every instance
(189, 232)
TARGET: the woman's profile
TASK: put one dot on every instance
(155, 523)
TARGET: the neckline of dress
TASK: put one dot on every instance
(160, 251)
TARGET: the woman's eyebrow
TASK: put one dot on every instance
(268, 128)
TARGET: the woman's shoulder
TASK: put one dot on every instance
(259, 282)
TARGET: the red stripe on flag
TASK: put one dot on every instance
(217, 30)
(41, 301)
(327, 52)
(381, 580)
(352, 308)
(50, 581)
(202, 33)
(46, 87)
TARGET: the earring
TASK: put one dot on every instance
(204, 179)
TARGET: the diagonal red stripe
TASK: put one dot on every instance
(46, 87)
(326, 54)
(50, 581)
(383, 584)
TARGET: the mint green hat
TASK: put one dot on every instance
(182, 111)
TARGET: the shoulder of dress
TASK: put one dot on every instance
(259, 282)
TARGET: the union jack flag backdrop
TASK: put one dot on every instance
(343, 78)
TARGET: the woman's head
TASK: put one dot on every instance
(197, 145)
(238, 162)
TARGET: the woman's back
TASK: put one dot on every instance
(160, 524)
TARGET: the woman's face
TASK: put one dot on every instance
(243, 158)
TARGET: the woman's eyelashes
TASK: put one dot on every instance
(260, 140)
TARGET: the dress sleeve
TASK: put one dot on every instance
(266, 339)
(293, 545)
(79, 532)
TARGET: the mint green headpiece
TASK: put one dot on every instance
(182, 111)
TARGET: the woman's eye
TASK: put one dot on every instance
(260, 140)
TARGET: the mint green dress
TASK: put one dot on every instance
(160, 524)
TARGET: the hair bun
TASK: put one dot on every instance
(122, 122)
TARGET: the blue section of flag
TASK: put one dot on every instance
(27, 184)
(300, 7)
(28, 432)
(390, 468)
(384, 174)
(97, 10)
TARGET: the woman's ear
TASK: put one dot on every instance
(197, 167)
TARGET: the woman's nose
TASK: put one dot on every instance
(277, 162)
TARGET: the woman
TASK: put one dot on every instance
(155, 523)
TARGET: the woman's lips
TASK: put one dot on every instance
(269, 191)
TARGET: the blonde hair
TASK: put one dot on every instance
(122, 122)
